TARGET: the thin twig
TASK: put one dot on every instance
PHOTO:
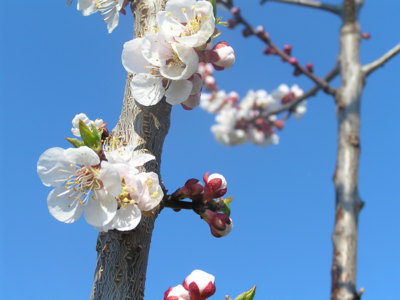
(380, 62)
(311, 92)
(335, 9)
(267, 40)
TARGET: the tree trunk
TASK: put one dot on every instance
(122, 256)
(348, 202)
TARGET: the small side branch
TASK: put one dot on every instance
(335, 9)
(311, 92)
(265, 38)
(380, 62)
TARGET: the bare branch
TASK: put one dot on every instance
(335, 9)
(380, 62)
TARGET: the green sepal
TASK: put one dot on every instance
(214, 4)
(96, 132)
(89, 138)
(75, 142)
(249, 295)
(225, 205)
(219, 22)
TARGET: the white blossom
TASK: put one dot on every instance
(161, 68)
(189, 22)
(81, 185)
(108, 8)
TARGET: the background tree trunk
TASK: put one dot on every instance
(122, 256)
(348, 202)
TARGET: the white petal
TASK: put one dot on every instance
(147, 89)
(52, 166)
(101, 210)
(140, 159)
(155, 48)
(82, 156)
(169, 26)
(63, 207)
(132, 58)
(183, 69)
(110, 178)
(178, 91)
(112, 20)
(127, 218)
(84, 4)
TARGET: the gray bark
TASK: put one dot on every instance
(122, 256)
(348, 202)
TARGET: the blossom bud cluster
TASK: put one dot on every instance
(199, 285)
(248, 120)
(207, 201)
(164, 61)
(99, 178)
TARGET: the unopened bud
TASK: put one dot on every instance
(247, 32)
(235, 11)
(220, 224)
(287, 49)
(366, 35)
(293, 61)
(310, 67)
(269, 50)
(279, 124)
(231, 23)
(215, 186)
(209, 83)
(289, 97)
(224, 56)
(297, 72)
(176, 293)
(260, 31)
(200, 285)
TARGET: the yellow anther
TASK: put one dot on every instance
(132, 202)
(184, 10)
(169, 14)
(149, 182)
(154, 194)
(126, 200)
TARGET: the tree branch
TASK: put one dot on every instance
(311, 92)
(264, 37)
(335, 9)
(380, 62)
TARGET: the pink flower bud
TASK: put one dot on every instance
(310, 67)
(200, 285)
(293, 61)
(235, 11)
(223, 56)
(279, 124)
(231, 23)
(289, 97)
(260, 31)
(366, 35)
(287, 49)
(297, 72)
(176, 293)
(269, 50)
(215, 186)
(246, 32)
(220, 224)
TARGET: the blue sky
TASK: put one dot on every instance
(54, 63)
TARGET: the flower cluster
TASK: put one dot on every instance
(164, 62)
(208, 202)
(99, 178)
(251, 119)
(199, 285)
(110, 9)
